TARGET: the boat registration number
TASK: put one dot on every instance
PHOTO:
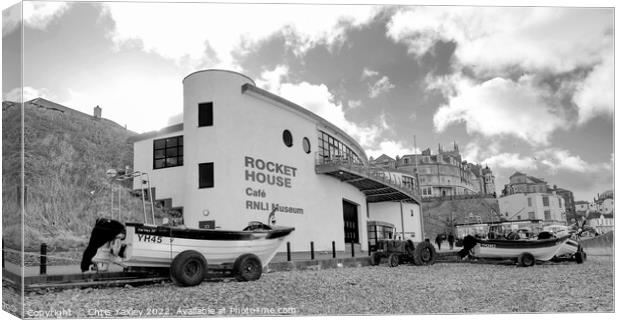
(149, 238)
(488, 245)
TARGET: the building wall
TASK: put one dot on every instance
(247, 130)
(169, 182)
(411, 219)
(518, 207)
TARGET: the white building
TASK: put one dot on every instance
(543, 206)
(242, 151)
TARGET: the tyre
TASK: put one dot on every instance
(580, 256)
(526, 259)
(188, 268)
(247, 268)
(424, 254)
(375, 259)
(393, 260)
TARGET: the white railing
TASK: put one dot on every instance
(381, 174)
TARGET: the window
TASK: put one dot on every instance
(205, 175)
(168, 152)
(287, 137)
(306, 145)
(547, 215)
(546, 201)
(529, 202)
(559, 202)
(205, 114)
(330, 147)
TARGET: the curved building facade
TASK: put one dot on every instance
(242, 151)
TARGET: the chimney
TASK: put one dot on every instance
(97, 112)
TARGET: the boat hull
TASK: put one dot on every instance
(156, 246)
(512, 249)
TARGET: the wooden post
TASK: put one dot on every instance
(43, 259)
(334, 249)
(288, 251)
(311, 250)
(352, 249)
(369, 248)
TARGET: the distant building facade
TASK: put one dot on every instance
(601, 222)
(527, 197)
(442, 174)
(569, 199)
(544, 206)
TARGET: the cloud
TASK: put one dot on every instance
(511, 161)
(499, 107)
(390, 148)
(382, 86)
(354, 104)
(132, 101)
(319, 100)
(272, 79)
(181, 31)
(29, 93)
(559, 159)
(533, 38)
(38, 15)
(595, 95)
(367, 73)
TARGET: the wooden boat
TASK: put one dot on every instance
(527, 251)
(149, 246)
(188, 253)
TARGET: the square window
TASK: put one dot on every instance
(205, 175)
(205, 114)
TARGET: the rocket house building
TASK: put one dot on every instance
(242, 151)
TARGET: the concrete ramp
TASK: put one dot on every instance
(602, 245)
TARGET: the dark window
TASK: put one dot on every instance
(205, 114)
(168, 152)
(287, 137)
(306, 143)
(205, 175)
(545, 201)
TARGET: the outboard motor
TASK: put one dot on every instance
(105, 230)
(469, 242)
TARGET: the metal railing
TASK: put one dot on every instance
(390, 178)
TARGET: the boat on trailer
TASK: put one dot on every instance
(525, 251)
(188, 253)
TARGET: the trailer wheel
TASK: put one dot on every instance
(188, 268)
(424, 254)
(247, 268)
(393, 260)
(526, 259)
(375, 259)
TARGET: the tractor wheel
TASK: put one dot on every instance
(247, 268)
(580, 257)
(375, 259)
(424, 254)
(188, 268)
(526, 259)
(393, 260)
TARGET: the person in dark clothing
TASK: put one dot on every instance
(438, 241)
(451, 241)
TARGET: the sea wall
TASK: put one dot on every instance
(602, 245)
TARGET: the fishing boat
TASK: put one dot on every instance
(524, 251)
(188, 253)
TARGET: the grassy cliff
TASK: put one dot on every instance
(65, 157)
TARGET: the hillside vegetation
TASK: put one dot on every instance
(66, 155)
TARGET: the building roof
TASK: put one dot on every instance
(517, 173)
(384, 157)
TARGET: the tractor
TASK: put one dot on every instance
(402, 251)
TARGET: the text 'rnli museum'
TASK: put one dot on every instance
(242, 151)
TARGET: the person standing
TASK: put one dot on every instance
(438, 241)
(451, 241)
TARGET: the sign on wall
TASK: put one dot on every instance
(267, 174)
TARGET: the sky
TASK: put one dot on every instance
(527, 89)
